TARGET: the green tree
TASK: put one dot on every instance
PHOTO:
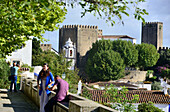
(118, 99)
(4, 73)
(127, 51)
(105, 65)
(36, 50)
(20, 19)
(164, 57)
(166, 73)
(156, 86)
(147, 55)
(148, 107)
(100, 45)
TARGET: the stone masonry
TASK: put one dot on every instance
(152, 33)
(83, 36)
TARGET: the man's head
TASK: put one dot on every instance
(57, 77)
(14, 64)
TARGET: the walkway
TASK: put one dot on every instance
(16, 102)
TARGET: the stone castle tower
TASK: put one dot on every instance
(152, 33)
(82, 37)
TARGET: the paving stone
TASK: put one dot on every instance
(16, 102)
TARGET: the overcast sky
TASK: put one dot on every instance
(159, 11)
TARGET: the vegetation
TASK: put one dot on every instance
(107, 59)
(59, 65)
(86, 93)
(105, 65)
(118, 99)
(164, 58)
(148, 78)
(156, 86)
(20, 19)
(147, 55)
(4, 73)
(31, 69)
(127, 51)
(36, 50)
(166, 73)
(148, 107)
(163, 71)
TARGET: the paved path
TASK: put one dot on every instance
(16, 102)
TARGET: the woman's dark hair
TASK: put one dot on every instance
(44, 73)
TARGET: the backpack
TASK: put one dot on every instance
(12, 70)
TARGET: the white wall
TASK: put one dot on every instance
(23, 55)
(127, 39)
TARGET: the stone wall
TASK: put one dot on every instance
(76, 103)
(46, 47)
(152, 33)
(134, 76)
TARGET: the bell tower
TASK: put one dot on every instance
(70, 52)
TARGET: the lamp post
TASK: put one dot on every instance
(63, 75)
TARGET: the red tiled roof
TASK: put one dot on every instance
(117, 84)
(145, 96)
(115, 36)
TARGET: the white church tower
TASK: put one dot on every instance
(70, 53)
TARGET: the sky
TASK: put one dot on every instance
(159, 11)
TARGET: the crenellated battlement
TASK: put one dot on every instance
(153, 23)
(80, 26)
(46, 45)
(100, 32)
(164, 48)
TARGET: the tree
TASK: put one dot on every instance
(4, 73)
(36, 50)
(166, 73)
(147, 55)
(156, 86)
(164, 57)
(20, 19)
(101, 45)
(118, 99)
(127, 51)
(105, 65)
(148, 107)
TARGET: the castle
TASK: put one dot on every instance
(152, 33)
(83, 36)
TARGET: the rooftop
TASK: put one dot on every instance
(115, 36)
(145, 96)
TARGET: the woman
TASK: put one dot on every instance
(47, 80)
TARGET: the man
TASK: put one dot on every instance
(61, 93)
(14, 73)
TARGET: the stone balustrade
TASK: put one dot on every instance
(76, 103)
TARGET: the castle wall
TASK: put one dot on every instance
(45, 47)
(86, 37)
(81, 35)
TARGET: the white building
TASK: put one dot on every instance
(70, 53)
(115, 37)
(23, 55)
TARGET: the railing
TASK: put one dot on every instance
(76, 103)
